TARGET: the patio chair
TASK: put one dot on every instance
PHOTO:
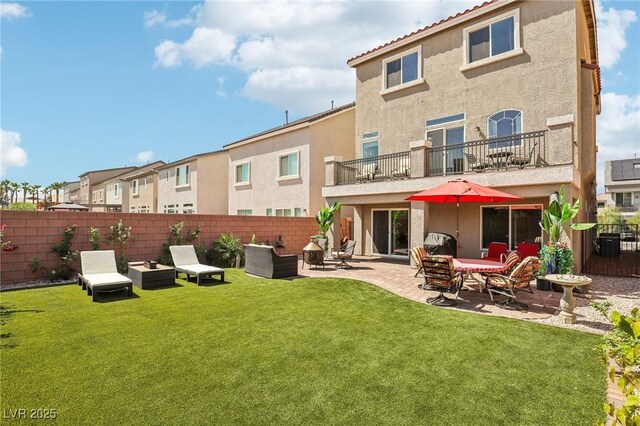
(474, 164)
(186, 261)
(100, 274)
(345, 253)
(403, 170)
(368, 172)
(512, 260)
(528, 249)
(439, 273)
(523, 160)
(520, 278)
(496, 252)
(417, 253)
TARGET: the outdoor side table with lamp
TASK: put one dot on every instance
(568, 303)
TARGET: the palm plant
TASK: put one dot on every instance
(13, 187)
(25, 186)
(57, 186)
(324, 218)
(226, 251)
(35, 190)
(4, 191)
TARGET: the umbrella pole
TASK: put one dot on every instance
(458, 227)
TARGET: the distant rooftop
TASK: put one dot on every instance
(625, 169)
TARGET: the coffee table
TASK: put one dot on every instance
(568, 303)
(145, 278)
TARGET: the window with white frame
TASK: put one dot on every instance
(243, 174)
(370, 144)
(269, 212)
(133, 209)
(623, 199)
(116, 190)
(287, 212)
(503, 124)
(297, 211)
(101, 196)
(492, 39)
(182, 175)
(288, 165)
(279, 212)
(171, 208)
(510, 224)
(143, 209)
(245, 212)
(402, 69)
(134, 187)
(187, 208)
(95, 196)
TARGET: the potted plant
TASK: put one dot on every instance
(324, 219)
(556, 256)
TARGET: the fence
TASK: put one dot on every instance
(615, 250)
(382, 167)
(36, 232)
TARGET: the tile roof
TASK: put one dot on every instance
(428, 27)
(307, 119)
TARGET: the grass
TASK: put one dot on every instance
(305, 351)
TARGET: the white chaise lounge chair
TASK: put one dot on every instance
(100, 274)
(185, 260)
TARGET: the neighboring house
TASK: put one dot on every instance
(280, 172)
(504, 95)
(89, 179)
(622, 185)
(196, 184)
(142, 191)
(112, 194)
(71, 192)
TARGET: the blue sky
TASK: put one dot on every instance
(91, 85)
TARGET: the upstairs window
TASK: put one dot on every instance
(116, 190)
(289, 165)
(134, 187)
(494, 38)
(242, 173)
(370, 145)
(503, 124)
(182, 175)
(402, 69)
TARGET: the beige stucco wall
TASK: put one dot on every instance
(541, 82)
(170, 194)
(213, 183)
(87, 181)
(147, 194)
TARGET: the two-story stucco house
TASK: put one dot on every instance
(89, 179)
(622, 185)
(280, 172)
(71, 192)
(112, 194)
(142, 191)
(196, 184)
(504, 95)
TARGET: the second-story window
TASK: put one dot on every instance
(288, 165)
(503, 124)
(495, 37)
(242, 173)
(402, 69)
(116, 190)
(370, 145)
(182, 175)
(134, 187)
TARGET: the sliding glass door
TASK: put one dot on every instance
(390, 232)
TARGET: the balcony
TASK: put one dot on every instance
(486, 155)
(625, 208)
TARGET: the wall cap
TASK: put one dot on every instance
(562, 120)
(332, 159)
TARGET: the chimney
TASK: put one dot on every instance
(286, 117)
(331, 103)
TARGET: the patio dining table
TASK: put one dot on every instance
(478, 266)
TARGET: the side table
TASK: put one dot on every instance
(146, 278)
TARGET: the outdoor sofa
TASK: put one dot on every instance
(263, 261)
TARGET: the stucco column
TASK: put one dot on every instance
(357, 230)
(419, 158)
(419, 223)
(331, 170)
(560, 141)
(335, 233)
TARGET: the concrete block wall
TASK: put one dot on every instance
(36, 232)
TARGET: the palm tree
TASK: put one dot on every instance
(35, 190)
(14, 191)
(46, 194)
(25, 189)
(57, 186)
(4, 191)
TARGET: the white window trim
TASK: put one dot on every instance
(510, 206)
(452, 123)
(188, 173)
(135, 188)
(393, 256)
(420, 80)
(289, 177)
(503, 110)
(235, 174)
(116, 192)
(517, 46)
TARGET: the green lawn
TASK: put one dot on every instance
(305, 351)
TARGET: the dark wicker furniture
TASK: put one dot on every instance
(263, 261)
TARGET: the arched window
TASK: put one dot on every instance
(503, 124)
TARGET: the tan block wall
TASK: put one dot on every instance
(36, 232)
(542, 82)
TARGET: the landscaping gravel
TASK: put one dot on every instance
(37, 283)
(622, 293)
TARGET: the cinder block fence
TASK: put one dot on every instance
(36, 232)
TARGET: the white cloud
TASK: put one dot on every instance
(612, 27)
(618, 129)
(145, 156)
(12, 155)
(13, 11)
(289, 49)
(206, 46)
(155, 17)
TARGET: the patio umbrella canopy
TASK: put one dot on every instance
(461, 191)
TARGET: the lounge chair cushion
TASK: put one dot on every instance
(199, 269)
(106, 279)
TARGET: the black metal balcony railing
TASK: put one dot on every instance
(510, 152)
(382, 167)
(625, 208)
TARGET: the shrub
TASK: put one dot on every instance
(35, 265)
(95, 237)
(22, 207)
(175, 239)
(226, 251)
(62, 248)
(121, 235)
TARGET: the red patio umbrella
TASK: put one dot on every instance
(461, 191)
